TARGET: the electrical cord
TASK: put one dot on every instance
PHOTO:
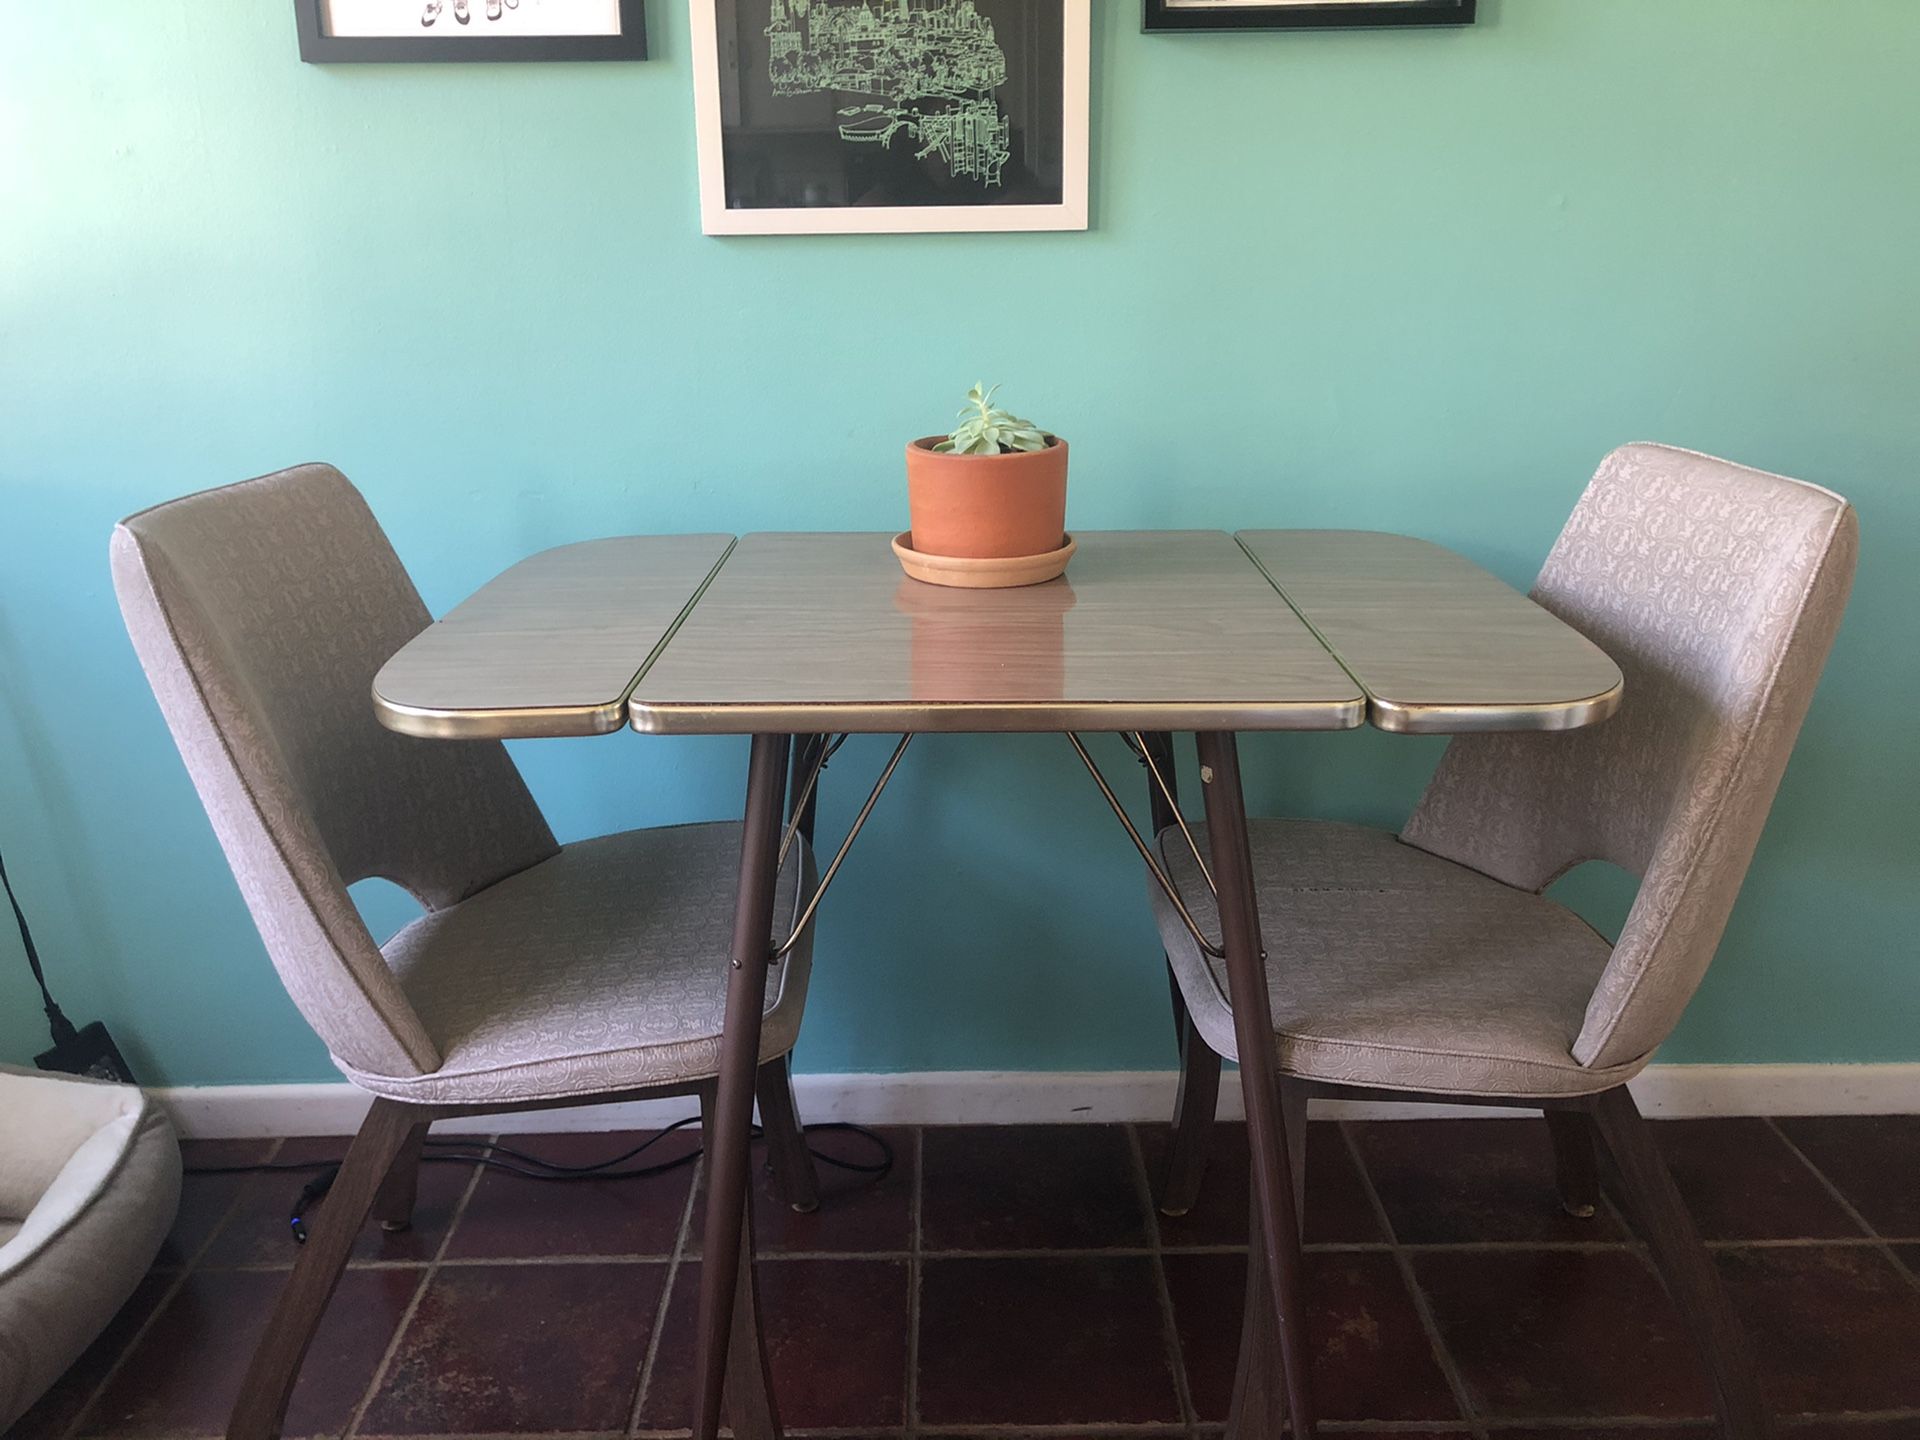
(457, 1151)
(63, 1030)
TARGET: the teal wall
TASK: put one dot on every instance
(1413, 281)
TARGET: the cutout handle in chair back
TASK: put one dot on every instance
(1717, 590)
(261, 612)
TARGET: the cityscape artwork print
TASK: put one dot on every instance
(836, 116)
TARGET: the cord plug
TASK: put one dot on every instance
(313, 1190)
(88, 1051)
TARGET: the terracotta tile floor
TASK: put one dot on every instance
(1016, 1279)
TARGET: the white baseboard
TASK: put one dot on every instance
(1017, 1097)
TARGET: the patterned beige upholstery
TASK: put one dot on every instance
(1717, 590)
(261, 612)
(1391, 966)
(569, 978)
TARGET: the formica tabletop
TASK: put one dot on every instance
(1441, 646)
(1147, 630)
(552, 646)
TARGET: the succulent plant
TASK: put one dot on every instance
(986, 429)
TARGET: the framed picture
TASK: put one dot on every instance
(1303, 14)
(379, 30)
(834, 117)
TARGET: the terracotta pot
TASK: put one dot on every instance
(987, 506)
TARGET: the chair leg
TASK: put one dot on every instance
(1199, 1097)
(269, 1382)
(1193, 1115)
(1574, 1165)
(1181, 1020)
(1293, 1114)
(393, 1203)
(1684, 1264)
(794, 1179)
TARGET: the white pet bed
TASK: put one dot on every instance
(89, 1183)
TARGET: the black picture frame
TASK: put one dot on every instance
(1352, 15)
(317, 47)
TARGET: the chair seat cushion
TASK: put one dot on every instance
(601, 969)
(1393, 968)
(89, 1183)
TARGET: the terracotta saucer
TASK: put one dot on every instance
(973, 574)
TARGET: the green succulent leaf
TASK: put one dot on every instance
(986, 429)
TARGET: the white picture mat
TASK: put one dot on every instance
(389, 19)
(1070, 214)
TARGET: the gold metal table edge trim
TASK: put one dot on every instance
(528, 723)
(990, 717)
(1467, 718)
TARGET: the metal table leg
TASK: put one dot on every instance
(727, 1245)
(1274, 1226)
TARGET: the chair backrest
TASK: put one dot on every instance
(1717, 590)
(261, 612)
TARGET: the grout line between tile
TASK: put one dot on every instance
(1911, 1272)
(666, 1298)
(1136, 1252)
(1176, 1353)
(1065, 1430)
(1475, 1247)
(1443, 1357)
(85, 1412)
(912, 1428)
(419, 1294)
(1816, 1417)
(1874, 1237)
(1653, 1424)
(1826, 1184)
(1650, 1425)
(1812, 1242)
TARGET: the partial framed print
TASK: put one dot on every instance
(836, 117)
(405, 30)
(1303, 14)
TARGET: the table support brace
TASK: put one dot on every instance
(1168, 802)
(1154, 867)
(812, 754)
(803, 915)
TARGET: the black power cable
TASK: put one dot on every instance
(478, 1152)
(77, 1050)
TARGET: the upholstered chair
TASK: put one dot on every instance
(1430, 964)
(540, 975)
